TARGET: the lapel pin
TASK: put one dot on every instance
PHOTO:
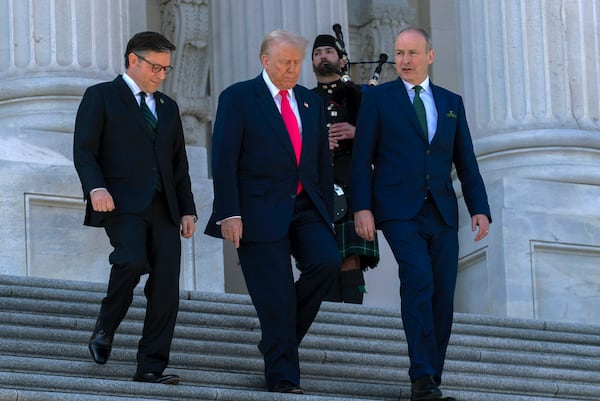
(161, 100)
(305, 105)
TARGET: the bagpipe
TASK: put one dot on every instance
(344, 73)
(343, 107)
(344, 102)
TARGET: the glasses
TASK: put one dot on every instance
(156, 67)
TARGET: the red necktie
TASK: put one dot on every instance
(289, 119)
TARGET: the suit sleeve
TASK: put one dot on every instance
(467, 169)
(89, 125)
(183, 185)
(227, 142)
(365, 138)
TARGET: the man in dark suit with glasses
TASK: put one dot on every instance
(129, 152)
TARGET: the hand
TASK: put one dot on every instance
(102, 201)
(364, 225)
(481, 221)
(339, 132)
(231, 230)
(188, 225)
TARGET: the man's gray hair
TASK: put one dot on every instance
(279, 36)
(421, 31)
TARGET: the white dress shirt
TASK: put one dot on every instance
(428, 102)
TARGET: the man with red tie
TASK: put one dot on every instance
(272, 199)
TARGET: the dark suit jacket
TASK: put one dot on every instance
(113, 148)
(388, 136)
(254, 168)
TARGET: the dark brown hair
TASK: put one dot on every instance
(147, 41)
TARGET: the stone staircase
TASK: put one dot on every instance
(351, 353)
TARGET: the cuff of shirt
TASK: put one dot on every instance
(228, 218)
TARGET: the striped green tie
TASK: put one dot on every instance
(148, 115)
(420, 110)
(151, 121)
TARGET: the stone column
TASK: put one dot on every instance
(531, 79)
(52, 50)
(238, 27)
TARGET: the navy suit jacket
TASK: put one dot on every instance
(389, 138)
(255, 173)
(113, 148)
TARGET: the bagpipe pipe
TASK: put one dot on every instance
(343, 106)
(344, 102)
(344, 73)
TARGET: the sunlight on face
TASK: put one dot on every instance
(141, 71)
(412, 57)
(283, 64)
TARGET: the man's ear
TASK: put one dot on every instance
(132, 58)
(431, 56)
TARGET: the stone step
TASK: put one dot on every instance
(318, 351)
(351, 352)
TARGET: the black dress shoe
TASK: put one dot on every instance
(286, 387)
(100, 345)
(425, 389)
(156, 378)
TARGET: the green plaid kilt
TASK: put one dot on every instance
(349, 243)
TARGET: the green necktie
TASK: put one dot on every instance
(148, 115)
(420, 110)
(151, 121)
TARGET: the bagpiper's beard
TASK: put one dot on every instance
(326, 68)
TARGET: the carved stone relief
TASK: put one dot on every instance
(186, 24)
(372, 32)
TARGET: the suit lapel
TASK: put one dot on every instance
(160, 107)
(267, 106)
(399, 96)
(131, 103)
(445, 115)
(306, 116)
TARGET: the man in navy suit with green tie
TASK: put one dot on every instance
(409, 135)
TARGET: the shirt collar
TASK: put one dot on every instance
(424, 85)
(273, 89)
(135, 89)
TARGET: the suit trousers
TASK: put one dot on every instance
(145, 243)
(285, 308)
(426, 250)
